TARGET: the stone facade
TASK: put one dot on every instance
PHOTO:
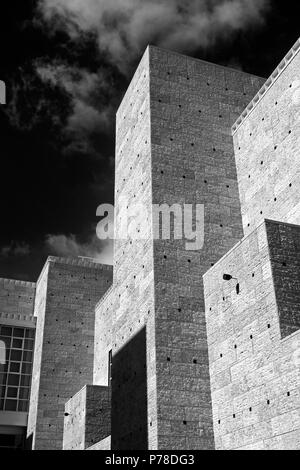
(66, 295)
(16, 300)
(154, 358)
(254, 333)
(267, 148)
(254, 350)
(87, 418)
(173, 145)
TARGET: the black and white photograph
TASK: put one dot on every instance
(150, 228)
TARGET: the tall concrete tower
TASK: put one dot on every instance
(174, 146)
(66, 294)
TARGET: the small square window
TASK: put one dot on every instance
(6, 331)
(15, 355)
(23, 405)
(11, 405)
(27, 356)
(12, 392)
(13, 379)
(19, 332)
(26, 368)
(25, 380)
(29, 333)
(17, 343)
(24, 393)
(15, 367)
(28, 344)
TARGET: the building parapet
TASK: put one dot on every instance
(269, 83)
(82, 261)
(17, 320)
(17, 282)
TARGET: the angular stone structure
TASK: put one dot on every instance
(254, 332)
(267, 142)
(254, 340)
(171, 363)
(174, 145)
(66, 294)
(87, 418)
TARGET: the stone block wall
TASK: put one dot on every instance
(267, 148)
(67, 292)
(16, 299)
(173, 145)
(87, 418)
(254, 368)
(284, 248)
(105, 444)
(133, 322)
(103, 337)
(193, 105)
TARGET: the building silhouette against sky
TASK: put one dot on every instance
(173, 348)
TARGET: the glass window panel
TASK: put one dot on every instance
(1, 404)
(2, 378)
(19, 332)
(15, 355)
(30, 333)
(6, 340)
(23, 405)
(25, 380)
(11, 405)
(6, 331)
(13, 379)
(2, 390)
(24, 393)
(12, 392)
(26, 368)
(27, 356)
(15, 366)
(4, 367)
(17, 343)
(28, 344)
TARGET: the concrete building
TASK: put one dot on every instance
(17, 332)
(185, 346)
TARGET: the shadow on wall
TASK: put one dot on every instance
(129, 430)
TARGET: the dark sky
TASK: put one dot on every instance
(66, 71)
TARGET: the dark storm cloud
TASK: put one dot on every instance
(124, 27)
(84, 89)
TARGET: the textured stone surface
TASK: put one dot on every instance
(87, 418)
(255, 374)
(267, 148)
(16, 300)
(105, 444)
(66, 295)
(285, 262)
(173, 145)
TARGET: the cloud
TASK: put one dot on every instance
(14, 249)
(69, 245)
(86, 91)
(124, 27)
